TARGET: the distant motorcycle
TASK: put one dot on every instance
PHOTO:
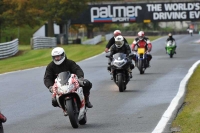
(191, 32)
(70, 97)
(141, 60)
(119, 67)
(170, 47)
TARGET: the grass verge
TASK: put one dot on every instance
(188, 120)
(27, 58)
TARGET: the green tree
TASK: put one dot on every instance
(60, 11)
(21, 12)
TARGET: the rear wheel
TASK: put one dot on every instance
(72, 111)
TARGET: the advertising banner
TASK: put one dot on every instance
(140, 12)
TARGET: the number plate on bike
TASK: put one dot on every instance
(141, 50)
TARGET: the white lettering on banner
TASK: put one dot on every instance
(120, 19)
(182, 6)
(154, 7)
(120, 13)
(194, 14)
(103, 12)
(169, 15)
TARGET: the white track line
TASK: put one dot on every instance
(176, 102)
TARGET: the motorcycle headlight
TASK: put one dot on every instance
(65, 89)
(119, 63)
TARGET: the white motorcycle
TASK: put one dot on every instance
(70, 97)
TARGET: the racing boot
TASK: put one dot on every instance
(87, 102)
(132, 66)
(111, 76)
(54, 100)
(65, 113)
(148, 64)
(130, 72)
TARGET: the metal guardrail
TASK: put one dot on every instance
(9, 48)
(108, 36)
(43, 42)
(94, 40)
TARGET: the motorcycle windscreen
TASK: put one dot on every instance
(170, 44)
(119, 56)
(63, 77)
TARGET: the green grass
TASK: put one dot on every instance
(188, 120)
(27, 58)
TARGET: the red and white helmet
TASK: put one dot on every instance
(117, 33)
(141, 35)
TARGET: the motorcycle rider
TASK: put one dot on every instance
(110, 43)
(122, 47)
(141, 41)
(2, 120)
(59, 64)
(170, 38)
(112, 40)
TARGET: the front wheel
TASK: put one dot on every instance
(140, 66)
(171, 54)
(120, 82)
(72, 111)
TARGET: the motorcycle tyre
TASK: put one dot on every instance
(83, 121)
(72, 112)
(171, 54)
(120, 83)
(140, 66)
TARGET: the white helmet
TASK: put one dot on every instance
(58, 51)
(117, 33)
(119, 41)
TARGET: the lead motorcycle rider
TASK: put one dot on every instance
(59, 64)
(142, 42)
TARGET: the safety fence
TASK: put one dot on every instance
(43, 42)
(8, 49)
(108, 36)
(93, 41)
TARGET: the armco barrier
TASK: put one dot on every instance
(108, 36)
(9, 48)
(43, 42)
(93, 41)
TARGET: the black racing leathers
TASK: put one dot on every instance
(170, 39)
(112, 41)
(52, 71)
(124, 49)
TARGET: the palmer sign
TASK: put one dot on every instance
(140, 12)
(114, 14)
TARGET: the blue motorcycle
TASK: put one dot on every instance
(141, 60)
